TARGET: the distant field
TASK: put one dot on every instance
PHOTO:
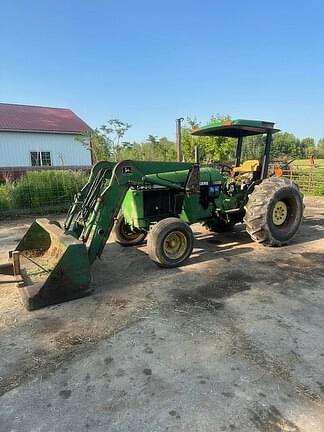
(305, 163)
(311, 181)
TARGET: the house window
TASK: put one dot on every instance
(46, 158)
(40, 158)
(34, 157)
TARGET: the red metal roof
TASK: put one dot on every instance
(35, 118)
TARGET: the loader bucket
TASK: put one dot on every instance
(53, 265)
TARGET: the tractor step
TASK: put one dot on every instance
(235, 210)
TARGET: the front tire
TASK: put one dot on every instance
(170, 242)
(274, 211)
(125, 235)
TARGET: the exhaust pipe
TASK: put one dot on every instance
(178, 139)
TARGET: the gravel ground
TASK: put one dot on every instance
(231, 341)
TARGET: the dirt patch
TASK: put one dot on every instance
(316, 258)
(313, 221)
(121, 303)
(284, 271)
(270, 419)
(226, 285)
(193, 299)
(63, 344)
(244, 346)
(207, 296)
(48, 325)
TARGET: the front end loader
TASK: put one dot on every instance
(160, 200)
(52, 263)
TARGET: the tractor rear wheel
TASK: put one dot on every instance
(219, 225)
(274, 211)
(126, 235)
(170, 242)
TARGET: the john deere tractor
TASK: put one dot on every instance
(219, 197)
(159, 200)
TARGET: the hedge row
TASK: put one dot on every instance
(41, 189)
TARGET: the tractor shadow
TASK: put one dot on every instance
(125, 262)
(210, 246)
(311, 229)
(127, 265)
(122, 267)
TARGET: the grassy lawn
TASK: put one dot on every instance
(319, 163)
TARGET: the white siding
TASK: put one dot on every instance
(15, 148)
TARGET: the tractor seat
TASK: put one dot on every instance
(247, 166)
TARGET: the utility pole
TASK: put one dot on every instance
(178, 138)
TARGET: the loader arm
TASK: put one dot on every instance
(96, 228)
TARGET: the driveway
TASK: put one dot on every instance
(232, 341)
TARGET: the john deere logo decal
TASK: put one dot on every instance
(127, 170)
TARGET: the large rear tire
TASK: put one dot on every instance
(125, 235)
(170, 242)
(274, 211)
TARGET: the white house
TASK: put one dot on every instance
(33, 136)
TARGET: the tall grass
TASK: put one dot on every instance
(304, 163)
(46, 188)
(38, 189)
(4, 197)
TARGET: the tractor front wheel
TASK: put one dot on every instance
(274, 211)
(126, 235)
(170, 242)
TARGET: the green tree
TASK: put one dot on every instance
(211, 149)
(167, 149)
(309, 146)
(105, 141)
(286, 144)
(253, 147)
(320, 148)
(150, 148)
(112, 133)
(130, 151)
(95, 142)
(159, 149)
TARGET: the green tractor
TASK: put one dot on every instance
(219, 197)
(159, 200)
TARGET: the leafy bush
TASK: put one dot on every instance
(4, 197)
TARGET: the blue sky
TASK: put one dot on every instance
(148, 62)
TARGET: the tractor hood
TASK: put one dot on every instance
(177, 179)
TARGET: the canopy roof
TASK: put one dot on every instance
(235, 128)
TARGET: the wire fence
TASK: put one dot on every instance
(40, 192)
(310, 180)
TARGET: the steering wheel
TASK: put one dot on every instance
(225, 168)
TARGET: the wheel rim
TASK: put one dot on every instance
(279, 213)
(175, 245)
